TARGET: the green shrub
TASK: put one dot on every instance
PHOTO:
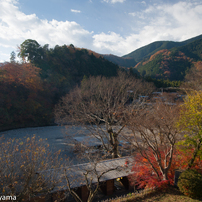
(190, 183)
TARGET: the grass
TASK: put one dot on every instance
(170, 195)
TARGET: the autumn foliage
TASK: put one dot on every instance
(22, 164)
(23, 99)
(145, 177)
(24, 74)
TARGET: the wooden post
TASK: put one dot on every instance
(83, 193)
(108, 187)
(125, 182)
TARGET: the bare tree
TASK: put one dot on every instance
(101, 105)
(22, 161)
(92, 174)
(154, 136)
(193, 80)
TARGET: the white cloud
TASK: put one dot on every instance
(16, 27)
(176, 22)
(115, 43)
(114, 1)
(75, 11)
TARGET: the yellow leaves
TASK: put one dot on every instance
(190, 120)
(43, 150)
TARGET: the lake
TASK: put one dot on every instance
(58, 137)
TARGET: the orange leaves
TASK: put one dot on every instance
(25, 74)
(145, 160)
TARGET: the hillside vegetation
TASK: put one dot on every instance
(163, 62)
(29, 90)
(172, 64)
(121, 61)
(148, 50)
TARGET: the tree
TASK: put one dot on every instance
(13, 56)
(190, 183)
(30, 49)
(22, 162)
(144, 176)
(23, 97)
(143, 172)
(101, 105)
(154, 136)
(25, 74)
(190, 123)
(193, 79)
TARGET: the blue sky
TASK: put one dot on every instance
(105, 26)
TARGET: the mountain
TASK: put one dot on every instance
(121, 61)
(148, 50)
(163, 59)
(174, 63)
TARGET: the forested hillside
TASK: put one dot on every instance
(165, 63)
(148, 50)
(29, 90)
(121, 61)
(172, 64)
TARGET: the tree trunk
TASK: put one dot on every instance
(115, 153)
(191, 162)
(114, 143)
(165, 175)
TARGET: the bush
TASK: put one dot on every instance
(23, 166)
(190, 183)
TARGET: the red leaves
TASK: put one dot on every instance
(144, 175)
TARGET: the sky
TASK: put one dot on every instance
(105, 26)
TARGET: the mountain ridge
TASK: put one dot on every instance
(172, 64)
(146, 51)
(162, 59)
